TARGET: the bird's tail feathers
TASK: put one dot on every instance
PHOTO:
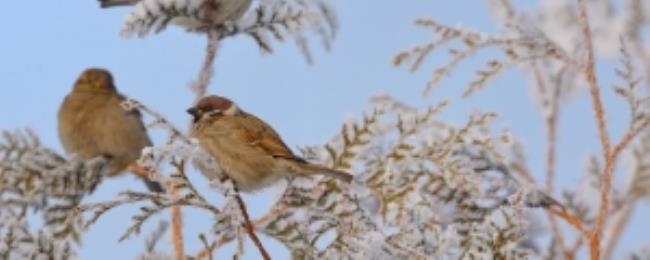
(319, 169)
(153, 186)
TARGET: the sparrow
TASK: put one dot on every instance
(93, 123)
(246, 148)
(224, 10)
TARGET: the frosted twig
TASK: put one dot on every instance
(200, 87)
(250, 229)
(599, 113)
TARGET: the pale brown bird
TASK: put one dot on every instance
(93, 123)
(224, 10)
(246, 148)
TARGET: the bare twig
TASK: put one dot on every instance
(572, 220)
(627, 138)
(250, 229)
(176, 214)
(617, 229)
(279, 208)
(609, 155)
(177, 223)
(139, 170)
(594, 89)
(207, 69)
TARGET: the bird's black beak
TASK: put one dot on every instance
(195, 113)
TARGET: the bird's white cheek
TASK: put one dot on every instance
(232, 110)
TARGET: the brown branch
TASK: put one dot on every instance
(627, 207)
(207, 69)
(139, 171)
(277, 209)
(606, 182)
(594, 89)
(627, 139)
(176, 214)
(177, 223)
(616, 230)
(576, 223)
(250, 229)
(572, 220)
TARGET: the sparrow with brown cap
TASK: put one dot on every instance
(246, 148)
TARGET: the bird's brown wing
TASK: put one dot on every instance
(119, 133)
(259, 134)
(127, 137)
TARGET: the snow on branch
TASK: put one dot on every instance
(35, 178)
(525, 44)
(557, 47)
(278, 19)
(411, 168)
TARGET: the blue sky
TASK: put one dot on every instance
(46, 44)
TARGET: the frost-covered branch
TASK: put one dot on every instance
(557, 47)
(410, 167)
(35, 178)
(278, 19)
